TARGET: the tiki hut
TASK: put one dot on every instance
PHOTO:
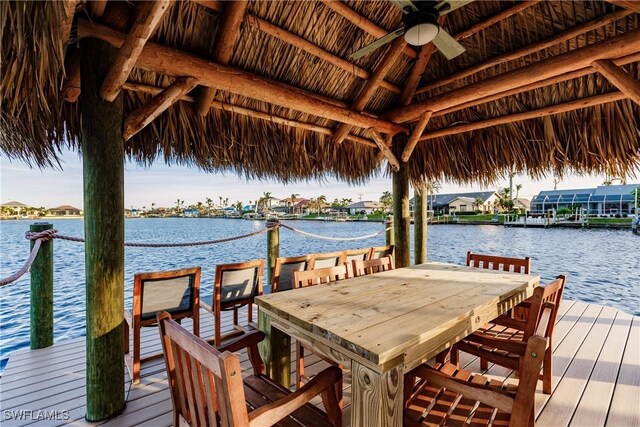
(269, 89)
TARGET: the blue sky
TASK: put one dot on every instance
(162, 184)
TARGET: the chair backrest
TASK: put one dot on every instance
(357, 255)
(542, 295)
(523, 404)
(493, 262)
(204, 383)
(239, 282)
(176, 291)
(302, 279)
(282, 278)
(372, 266)
(327, 259)
(382, 251)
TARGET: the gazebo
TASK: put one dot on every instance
(270, 89)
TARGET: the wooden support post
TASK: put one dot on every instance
(389, 235)
(401, 218)
(619, 78)
(415, 135)
(275, 350)
(273, 246)
(420, 223)
(385, 150)
(103, 172)
(42, 291)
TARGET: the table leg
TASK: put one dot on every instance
(275, 351)
(376, 397)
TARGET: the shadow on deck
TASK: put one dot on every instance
(596, 376)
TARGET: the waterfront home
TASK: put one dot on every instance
(482, 201)
(366, 207)
(64, 210)
(604, 200)
(463, 91)
(14, 208)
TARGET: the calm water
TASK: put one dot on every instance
(603, 266)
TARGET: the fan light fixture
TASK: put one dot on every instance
(421, 27)
(421, 34)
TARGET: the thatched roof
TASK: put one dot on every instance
(280, 142)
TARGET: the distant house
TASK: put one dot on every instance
(191, 213)
(602, 200)
(302, 206)
(442, 202)
(15, 207)
(64, 210)
(522, 204)
(366, 207)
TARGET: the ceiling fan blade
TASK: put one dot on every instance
(452, 5)
(377, 44)
(446, 44)
(403, 4)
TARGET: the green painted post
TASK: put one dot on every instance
(273, 246)
(103, 176)
(276, 347)
(401, 214)
(388, 225)
(420, 224)
(42, 291)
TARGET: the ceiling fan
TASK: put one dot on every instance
(420, 26)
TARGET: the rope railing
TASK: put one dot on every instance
(46, 235)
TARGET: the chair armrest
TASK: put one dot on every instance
(250, 341)
(517, 347)
(128, 317)
(273, 412)
(501, 399)
(510, 322)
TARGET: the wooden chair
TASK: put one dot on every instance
(176, 292)
(302, 279)
(493, 262)
(282, 279)
(496, 342)
(372, 266)
(356, 255)
(328, 259)
(447, 395)
(235, 286)
(382, 251)
(207, 388)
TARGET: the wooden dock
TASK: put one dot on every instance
(596, 377)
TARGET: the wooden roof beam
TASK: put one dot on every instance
(150, 14)
(153, 90)
(306, 46)
(415, 136)
(619, 78)
(369, 89)
(633, 5)
(363, 23)
(537, 85)
(501, 16)
(163, 60)
(385, 150)
(97, 7)
(226, 36)
(145, 114)
(614, 47)
(527, 50)
(542, 112)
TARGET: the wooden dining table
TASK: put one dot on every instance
(383, 325)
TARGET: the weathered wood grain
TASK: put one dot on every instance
(377, 397)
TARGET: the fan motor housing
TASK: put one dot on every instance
(421, 26)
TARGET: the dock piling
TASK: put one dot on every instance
(41, 310)
(388, 225)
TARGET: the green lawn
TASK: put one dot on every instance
(610, 220)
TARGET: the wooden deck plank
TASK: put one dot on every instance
(594, 405)
(562, 404)
(590, 348)
(625, 405)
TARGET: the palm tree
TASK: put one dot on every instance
(477, 203)
(518, 188)
(226, 202)
(153, 206)
(238, 206)
(432, 188)
(387, 200)
(220, 198)
(294, 198)
(267, 199)
(320, 202)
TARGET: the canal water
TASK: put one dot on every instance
(603, 266)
